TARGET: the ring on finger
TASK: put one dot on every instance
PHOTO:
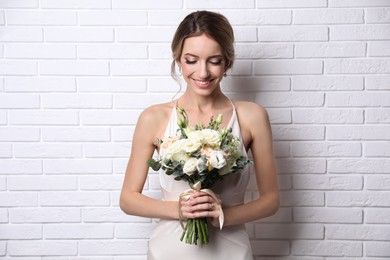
(211, 206)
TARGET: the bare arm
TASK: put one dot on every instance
(132, 201)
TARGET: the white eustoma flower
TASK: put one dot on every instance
(217, 159)
(192, 145)
(190, 166)
(175, 148)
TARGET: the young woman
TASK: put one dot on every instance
(203, 50)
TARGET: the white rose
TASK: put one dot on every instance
(181, 156)
(211, 137)
(190, 166)
(192, 145)
(217, 159)
(175, 148)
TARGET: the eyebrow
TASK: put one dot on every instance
(211, 57)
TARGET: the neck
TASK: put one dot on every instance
(193, 101)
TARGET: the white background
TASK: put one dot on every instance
(74, 76)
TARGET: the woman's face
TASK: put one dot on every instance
(202, 64)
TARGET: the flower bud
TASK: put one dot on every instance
(218, 121)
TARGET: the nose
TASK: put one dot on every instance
(204, 70)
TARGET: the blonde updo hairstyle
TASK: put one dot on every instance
(212, 24)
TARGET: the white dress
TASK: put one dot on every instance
(231, 242)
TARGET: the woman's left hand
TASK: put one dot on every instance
(202, 205)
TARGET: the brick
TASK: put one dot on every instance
(112, 51)
(43, 117)
(77, 166)
(298, 165)
(119, 247)
(330, 50)
(42, 150)
(40, 51)
(357, 3)
(160, 51)
(18, 134)
(137, 101)
(76, 4)
(14, 166)
(118, 117)
(359, 99)
(40, 84)
(287, 99)
(357, 66)
(78, 231)
(20, 4)
(73, 134)
(370, 166)
(135, 231)
(5, 150)
(327, 116)
(379, 49)
(377, 182)
(35, 17)
(327, 182)
(71, 68)
(245, 34)
(328, 215)
(289, 231)
(107, 150)
(44, 215)
(40, 183)
(380, 249)
(78, 34)
(302, 198)
(3, 185)
(241, 68)
(358, 199)
(377, 82)
(166, 17)
(326, 149)
(292, 33)
(378, 15)
(70, 198)
(4, 216)
(21, 232)
(298, 133)
(366, 132)
(16, 67)
(21, 34)
(111, 84)
(377, 215)
(258, 17)
(205, 4)
(327, 83)
(122, 134)
(263, 51)
(101, 182)
(328, 16)
(327, 248)
(18, 199)
(290, 4)
(2, 18)
(144, 34)
(19, 100)
(270, 248)
(377, 115)
(377, 149)
(113, 18)
(42, 248)
(3, 117)
(279, 116)
(110, 215)
(288, 67)
(359, 32)
(80, 101)
(142, 68)
(147, 4)
(281, 149)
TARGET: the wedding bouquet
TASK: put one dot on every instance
(199, 156)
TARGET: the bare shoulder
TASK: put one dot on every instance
(249, 112)
(155, 118)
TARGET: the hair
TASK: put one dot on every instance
(212, 24)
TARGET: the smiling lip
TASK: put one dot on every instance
(202, 83)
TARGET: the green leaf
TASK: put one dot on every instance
(155, 165)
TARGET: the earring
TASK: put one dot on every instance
(225, 74)
(180, 74)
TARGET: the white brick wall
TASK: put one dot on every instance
(74, 76)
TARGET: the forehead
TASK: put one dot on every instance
(201, 45)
